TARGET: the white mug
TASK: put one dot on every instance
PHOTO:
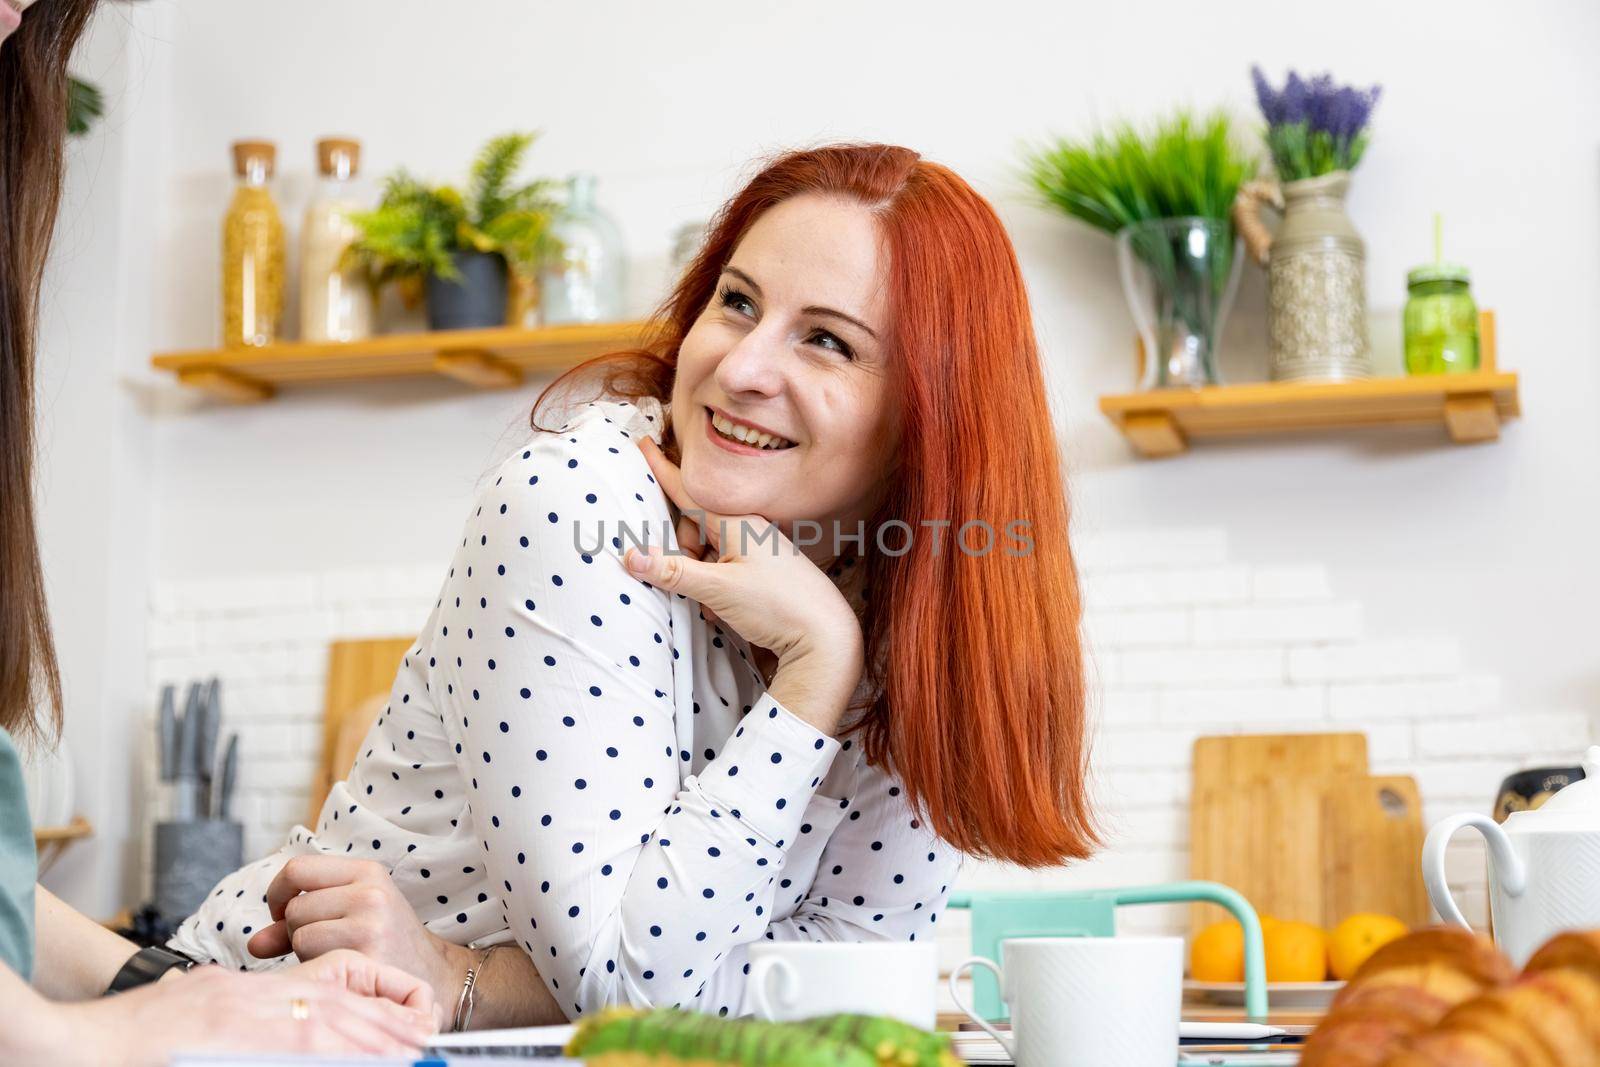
(792, 980)
(1086, 1001)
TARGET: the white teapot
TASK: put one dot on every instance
(1544, 866)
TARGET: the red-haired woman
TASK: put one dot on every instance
(631, 765)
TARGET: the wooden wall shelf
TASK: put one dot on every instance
(78, 827)
(50, 841)
(1470, 407)
(487, 359)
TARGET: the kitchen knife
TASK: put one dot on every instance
(188, 741)
(167, 732)
(206, 743)
(223, 805)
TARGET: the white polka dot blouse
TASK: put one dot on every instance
(576, 760)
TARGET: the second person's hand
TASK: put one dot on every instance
(367, 977)
(320, 904)
(212, 1010)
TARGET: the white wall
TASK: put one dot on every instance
(96, 463)
(1488, 115)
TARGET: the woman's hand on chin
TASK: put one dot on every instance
(322, 904)
(769, 592)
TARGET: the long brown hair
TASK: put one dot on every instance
(33, 128)
(975, 662)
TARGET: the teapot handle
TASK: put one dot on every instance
(1247, 206)
(1510, 872)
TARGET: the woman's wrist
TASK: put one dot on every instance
(88, 1032)
(816, 678)
(448, 976)
(46, 1032)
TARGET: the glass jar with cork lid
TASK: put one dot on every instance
(252, 251)
(336, 303)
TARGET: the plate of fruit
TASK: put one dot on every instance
(1306, 964)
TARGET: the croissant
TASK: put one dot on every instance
(1439, 1049)
(1526, 1020)
(1403, 990)
(1445, 997)
(1576, 950)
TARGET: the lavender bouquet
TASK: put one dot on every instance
(1315, 126)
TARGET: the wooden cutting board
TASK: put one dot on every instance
(1221, 761)
(357, 672)
(1262, 838)
(1256, 815)
(1372, 849)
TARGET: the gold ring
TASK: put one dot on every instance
(299, 1009)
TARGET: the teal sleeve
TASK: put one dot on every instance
(18, 865)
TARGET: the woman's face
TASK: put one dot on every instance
(11, 15)
(792, 343)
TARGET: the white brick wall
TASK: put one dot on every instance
(1183, 642)
(266, 637)
(1187, 642)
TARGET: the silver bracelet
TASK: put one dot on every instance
(468, 999)
(458, 1024)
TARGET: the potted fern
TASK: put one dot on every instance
(85, 103)
(1165, 195)
(458, 248)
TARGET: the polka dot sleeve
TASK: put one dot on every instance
(560, 683)
(883, 875)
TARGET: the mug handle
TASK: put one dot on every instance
(1007, 1043)
(760, 971)
(1509, 870)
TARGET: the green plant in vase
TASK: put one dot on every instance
(1164, 193)
(458, 245)
(85, 103)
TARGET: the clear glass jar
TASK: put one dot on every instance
(1441, 321)
(583, 279)
(252, 252)
(336, 304)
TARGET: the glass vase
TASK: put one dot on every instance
(1179, 277)
(584, 279)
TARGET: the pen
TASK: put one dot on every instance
(1230, 1031)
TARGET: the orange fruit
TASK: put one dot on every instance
(1217, 954)
(1296, 952)
(1358, 937)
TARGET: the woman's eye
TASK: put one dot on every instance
(732, 298)
(839, 346)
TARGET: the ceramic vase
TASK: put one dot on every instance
(1316, 278)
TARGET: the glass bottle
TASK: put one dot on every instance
(252, 251)
(582, 280)
(686, 242)
(1441, 321)
(335, 304)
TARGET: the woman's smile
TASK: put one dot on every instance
(742, 438)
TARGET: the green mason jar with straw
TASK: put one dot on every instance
(1441, 318)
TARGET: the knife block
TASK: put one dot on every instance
(192, 856)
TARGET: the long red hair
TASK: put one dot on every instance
(976, 662)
